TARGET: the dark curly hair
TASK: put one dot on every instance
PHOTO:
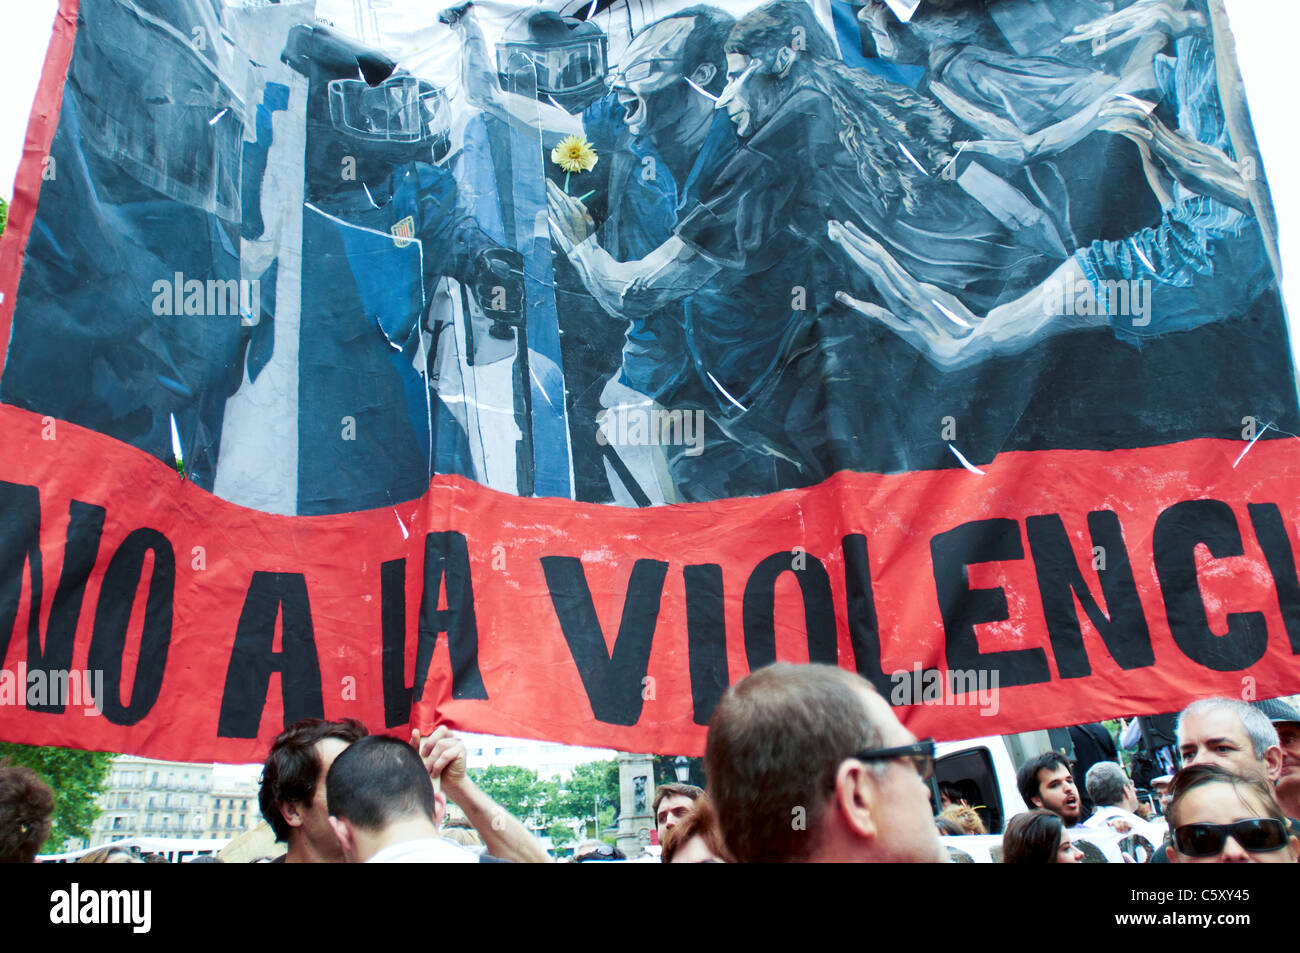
(26, 808)
(897, 137)
(292, 766)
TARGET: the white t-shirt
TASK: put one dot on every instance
(427, 850)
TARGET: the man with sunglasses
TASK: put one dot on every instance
(1219, 817)
(808, 763)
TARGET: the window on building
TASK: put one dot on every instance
(216, 821)
(148, 820)
(243, 820)
(230, 821)
(155, 779)
(165, 819)
(117, 823)
(244, 806)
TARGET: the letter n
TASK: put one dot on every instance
(271, 595)
(1060, 582)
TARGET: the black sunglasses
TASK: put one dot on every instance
(920, 753)
(1257, 835)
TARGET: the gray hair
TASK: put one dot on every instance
(1259, 729)
(1106, 782)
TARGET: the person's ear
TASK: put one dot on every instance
(704, 74)
(343, 831)
(785, 58)
(1036, 802)
(291, 811)
(439, 808)
(1273, 763)
(855, 797)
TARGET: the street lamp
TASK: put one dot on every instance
(682, 768)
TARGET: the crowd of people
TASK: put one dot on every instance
(804, 763)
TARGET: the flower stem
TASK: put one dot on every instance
(566, 182)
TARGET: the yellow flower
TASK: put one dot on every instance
(574, 154)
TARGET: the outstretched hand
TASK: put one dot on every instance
(1144, 17)
(933, 321)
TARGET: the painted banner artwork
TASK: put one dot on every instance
(542, 369)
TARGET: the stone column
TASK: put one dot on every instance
(636, 792)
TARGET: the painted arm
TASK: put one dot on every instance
(479, 79)
(942, 328)
(626, 289)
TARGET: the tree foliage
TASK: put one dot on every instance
(550, 804)
(77, 779)
(4, 215)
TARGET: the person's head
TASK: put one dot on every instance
(674, 67)
(292, 795)
(965, 817)
(1217, 816)
(1286, 721)
(950, 794)
(671, 803)
(26, 806)
(1046, 782)
(801, 767)
(948, 827)
(1231, 734)
(1038, 837)
(375, 785)
(591, 851)
(697, 838)
(1109, 786)
(767, 49)
(111, 854)
(563, 56)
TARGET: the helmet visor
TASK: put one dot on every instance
(569, 68)
(400, 109)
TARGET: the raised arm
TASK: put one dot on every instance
(504, 836)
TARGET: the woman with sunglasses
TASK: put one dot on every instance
(1217, 817)
(1038, 837)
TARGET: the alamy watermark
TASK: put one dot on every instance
(41, 688)
(211, 297)
(963, 687)
(633, 426)
(1127, 299)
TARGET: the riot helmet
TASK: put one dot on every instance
(401, 109)
(567, 56)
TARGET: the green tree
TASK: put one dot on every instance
(4, 215)
(518, 790)
(591, 785)
(77, 779)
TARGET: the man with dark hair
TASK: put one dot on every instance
(26, 806)
(384, 808)
(671, 803)
(292, 796)
(1046, 782)
(808, 763)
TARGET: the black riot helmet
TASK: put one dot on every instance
(362, 111)
(567, 57)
